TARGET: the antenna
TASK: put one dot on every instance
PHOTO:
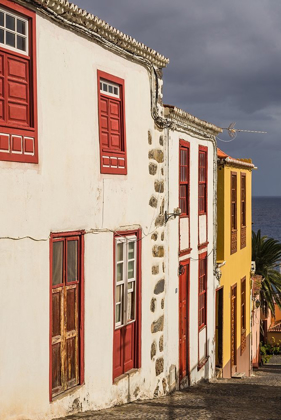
(232, 132)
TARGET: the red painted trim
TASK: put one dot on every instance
(137, 347)
(202, 363)
(185, 252)
(186, 144)
(123, 153)
(202, 246)
(54, 236)
(32, 130)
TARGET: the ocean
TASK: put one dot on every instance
(267, 216)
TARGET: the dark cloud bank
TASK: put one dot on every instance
(225, 61)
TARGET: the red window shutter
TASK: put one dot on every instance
(129, 347)
(113, 159)
(18, 102)
(118, 353)
(17, 75)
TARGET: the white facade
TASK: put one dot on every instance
(66, 192)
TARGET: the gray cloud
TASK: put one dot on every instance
(225, 60)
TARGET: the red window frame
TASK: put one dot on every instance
(18, 140)
(233, 211)
(202, 291)
(184, 168)
(126, 357)
(78, 284)
(243, 200)
(113, 159)
(202, 179)
(243, 304)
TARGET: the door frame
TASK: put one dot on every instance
(220, 290)
(186, 264)
(233, 288)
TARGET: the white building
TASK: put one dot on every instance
(191, 185)
(89, 310)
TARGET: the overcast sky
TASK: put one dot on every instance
(225, 66)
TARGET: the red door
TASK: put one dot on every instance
(183, 320)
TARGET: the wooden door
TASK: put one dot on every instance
(65, 313)
(183, 320)
(219, 327)
(233, 330)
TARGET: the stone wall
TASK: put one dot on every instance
(157, 201)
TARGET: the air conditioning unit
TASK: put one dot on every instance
(253, 267)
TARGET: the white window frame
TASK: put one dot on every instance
(104, 82)
(15, 32)
(125, 240)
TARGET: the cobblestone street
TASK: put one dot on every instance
(258, 397)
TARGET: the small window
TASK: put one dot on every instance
(13, 31)
(113, 159)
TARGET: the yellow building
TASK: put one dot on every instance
(234, 237)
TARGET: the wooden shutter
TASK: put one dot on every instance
(184, 180)
(233, 212)
(66, 313)
(202, 178)
(113, 157)
(243, 211)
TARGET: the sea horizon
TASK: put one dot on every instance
(266, 216)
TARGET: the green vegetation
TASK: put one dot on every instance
(268, 349)
(266, 252)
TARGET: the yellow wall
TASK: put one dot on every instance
(237, 265)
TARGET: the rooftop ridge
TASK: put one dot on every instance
(74, 14)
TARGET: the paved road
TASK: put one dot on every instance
(258, 397)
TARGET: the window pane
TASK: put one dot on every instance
(104, 87)
(130, 307)
(117, 314)
(10, 39)
(131, 269)
(72, 261)
(130, 286)
(21, 43)
(116, 91)
(118, 294)
(110, 89)
(119, 272)
(10, 22)
(57, 266)
(1, 19)
(2, 36)
(119, 252)
(21, 27)
(131, 251)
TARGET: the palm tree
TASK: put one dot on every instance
(266, 252)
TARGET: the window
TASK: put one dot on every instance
(113, 158)
(126, 354)
(202, 292)
(202, 188)
(233, 212)
(243, 314)
(184, 179)
(243, 210)
(67, 312)
(18, 121)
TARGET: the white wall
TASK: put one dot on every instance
(66, 192)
